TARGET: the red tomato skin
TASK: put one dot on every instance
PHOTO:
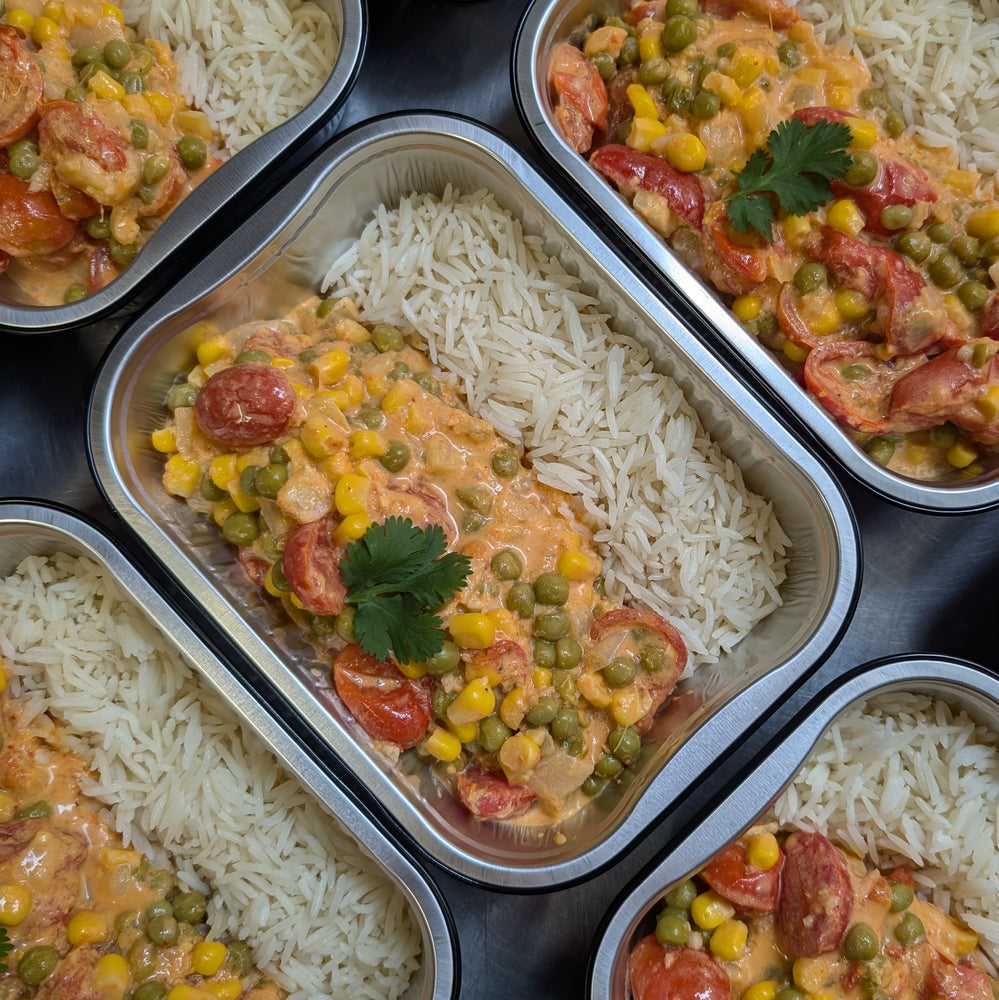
(311, 564)
(31, 224)
(946, 981)
(580, 96)
(488, 795)
(387, 705)
(21, 88)
(746, 887)
(245, 406)
(658, 973)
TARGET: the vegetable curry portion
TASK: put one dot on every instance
(456, 597)
(863, 259)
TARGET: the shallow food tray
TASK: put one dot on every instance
(278, 258)
(28, 529)
(208, 211)
(545, 24)
(960, 684)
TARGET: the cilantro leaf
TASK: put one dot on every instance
(397, 574)
(6, 945)
(795, 165)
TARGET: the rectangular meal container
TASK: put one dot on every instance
(227, 194)
(962, 685)
(33, 528)
(547, 23)
(278, 258)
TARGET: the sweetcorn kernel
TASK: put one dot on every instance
(352, 527)
(851, 304)
(87, 927)
(794, 352)
(351, 494)
(207, 957)
(225, 989)
(513, 707)
(20, 20)
(44, 30)
(709, 910)
(762, 850)
(472, 630)
(686, 152)
(111, 976)
(212, 350)
(863, 134)
(641, 102)
(728, 942)
(845, 216)
(983, 223)
(442, 744)
(577, 565)
(747, 307)
(15, 903)
(161, 105)
(644, 132)
(329, 367)
(105, 86)
(366, 444)
(164, 440)
(474, 701)
(518, 756)
(765, 989)
(181, 476)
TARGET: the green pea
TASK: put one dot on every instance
(593, 785)
(619, 672)
(127, 920)
(445, 661)
(608, 766)
(37, 964)
(141, 958)
(343, 623)
(544, 654)
(563, 680)
(652, 657)
(520, 600)
(672, 928)
(542, 711)
(861, 943)
(98, 227)
(143, 58)
(973, 294)
(239, 958)
(163, 930)
(209, 491)
(894, 124)
(506, 564)
(944, 436)
(551, 588)
(940, 232)
(193, 151)
(568, 653)
(23, 158)
(159, 908)
(872, 98)
(77, 93)
(75, 292)
(624, 743)
(788, 54)
(880, 449)
(493, 733)
(270, 478)
(181, 394)
(474, 497)
(605, 64)
(629, 54)
(257, 356)
(686, 7)
(325, 307)
(189, 906)
(505, 463)
(399, 370)
(855, 371)
(131, 83)
(91, 69)
(705, 105)
(151, 989)
(682, 895)
(278, 579)
(370, 417)
(945, 270)
(395, 457)
(966, 249)
(862, 170)
(565, 724)
(901, 897)
(810, 277)
(240, 529)
(553, 625)
(472, 520)
(34, 810)
(85, 55)
(122, 253)
(895, 217)
(427, 383)
(117, 53)
(387, 337)
(279, 455)
(725, 50)
(653, 71)
(154, 168)
(983, 352)
(139, 134)
(677, 97)
(248, 480)
(909, 930)
(439, 701)
(915, 245)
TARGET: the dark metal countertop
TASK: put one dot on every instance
(929, 581)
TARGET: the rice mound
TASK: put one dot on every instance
(185, 784)
(903, 778)
(678, 529)
(249, 66)
(937, 61)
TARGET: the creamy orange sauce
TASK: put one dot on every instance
(543, 686)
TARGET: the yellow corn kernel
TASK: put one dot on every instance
(795, 228)
(161, 105)
(503, 620)
(851, 304)
(8, 804)
(513, 707)
(472, 630)
(44, 30)
(650, 45)
(576, 565)
(686, 152)
(594, 690)
(137, 106)
(352, 331)
(708, 910)
(983, 223)
(728, 942)
(210, 351)
(965, 940)
(762, 850)
(282, 363)
(756, 113)
(747, 307)
(20, 20)
(329, 367)
(608, 38)
(198, 333)
(222, 510)
(354, 388)
(164, 440)
(102, 85)
(87, 927)
(53, 11)
(814, 75)
(322, 436)
(824, 319)
(841, 96)
(115, 857)
(467, 732)
(352, 527)
(745, 65)
(417, 420)
(641, 102)
(518, 756)
(270, 586)
(112, 10)
(225, 989)
(191, 122)
(207, 957)
(184, 991)
(473, 670)
(765, 989)
(628, 705)
(541, 677)
(988, 403)
(844, 215)
(15, 903)
(222, 470)
(963, 181)
(863, 134)
(644, 132)
(350, 495)
(181, 476)
(442, 744)
(243, 501)
(794, 352)
(809, 975)
(111, 976)
(723, 87)
(366, 444)
(474, 701)
(399, 395)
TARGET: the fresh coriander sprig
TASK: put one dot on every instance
(6, 945)
(796, 164)
(397, 575)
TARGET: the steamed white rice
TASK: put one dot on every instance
(249, 65)
(936, 60)
(185, 784)
(679, 531)
(902, 778)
